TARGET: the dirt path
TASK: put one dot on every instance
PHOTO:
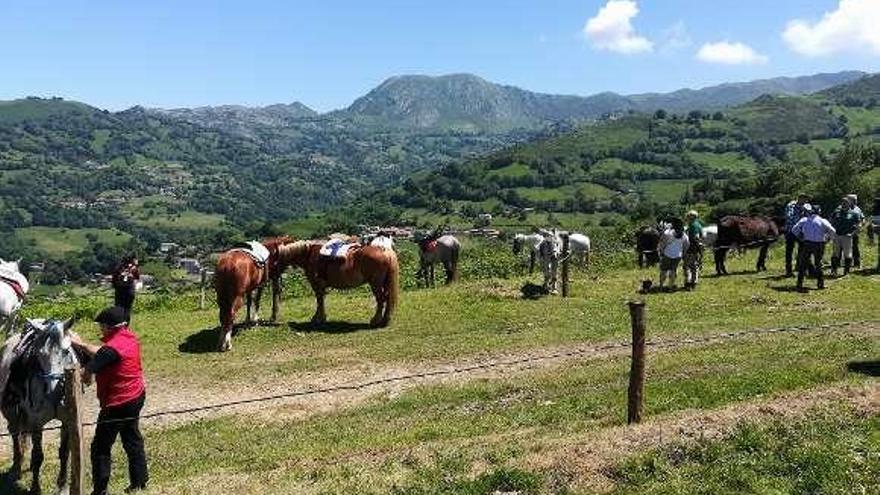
(316, 393)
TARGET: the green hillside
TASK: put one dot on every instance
(638, 164)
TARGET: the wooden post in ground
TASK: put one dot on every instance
(76, 442)
(636, 396)
(204, 279)
(566, 254)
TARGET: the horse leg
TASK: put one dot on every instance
(431, 275)
(762, 258)
(17, 452)
(227, 321)
(378, 288)
(249, 300)
(36, 459)
(320, 314)
(531, 262)
(63, 455)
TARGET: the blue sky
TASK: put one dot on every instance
(114, 54)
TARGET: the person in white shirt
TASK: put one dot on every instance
(673, 245)
(813, 231)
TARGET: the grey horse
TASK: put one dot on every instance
(32, 369)
(443, 249)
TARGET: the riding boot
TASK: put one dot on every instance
(847, 264)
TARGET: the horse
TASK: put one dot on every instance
(647, 239)
(579, 245)
(744, 233)
(529, 242)
(549, 252)
(237, 275)
(13, 288)
(444, 249)
(372, 265)
(32, 383)
(381, 240)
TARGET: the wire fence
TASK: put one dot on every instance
(655, 343)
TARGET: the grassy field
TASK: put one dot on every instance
(666, 190)
(502, 431)
(724, 162)
(58, 242)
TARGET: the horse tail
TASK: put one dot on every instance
(392, 285)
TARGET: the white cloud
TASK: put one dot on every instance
(854, 26)
(725, 52)
(611, 29)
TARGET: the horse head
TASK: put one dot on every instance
(551, 246)
(518, 243)
(56, 354)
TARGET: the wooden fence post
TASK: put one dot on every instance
(204, 279)
(636, 398)
(566, 254)
(76, 443)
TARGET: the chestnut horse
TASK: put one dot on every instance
(744, 233)
(236, 276)
(372, 265)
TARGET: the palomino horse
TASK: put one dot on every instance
(237, 275)
(372, 265)
(744, 233)
(13, 287)
(549, 253)
(444, 249)
(32, 383)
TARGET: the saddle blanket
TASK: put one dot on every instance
(336, 248)
(255, 250)
(430, 246)
(383, 242)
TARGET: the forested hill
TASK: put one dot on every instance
(747, 158)
(177, 173)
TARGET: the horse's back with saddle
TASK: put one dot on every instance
(337, 249)
(258, 252)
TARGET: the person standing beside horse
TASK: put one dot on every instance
(673, 245)
(794, 211)
(813, 231)
(693, 258)
(116, 366)
(125, 281)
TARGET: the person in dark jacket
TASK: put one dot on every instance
(116, 367)
(125, 279)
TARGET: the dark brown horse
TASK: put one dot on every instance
(372, 265)
(237, 275)
(744, 233)
(647, 239)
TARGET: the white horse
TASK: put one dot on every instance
(549, 253)
(579, 245)
(530, 242)
(444, 249)
(13, 287)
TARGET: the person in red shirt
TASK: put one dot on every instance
(116, 366)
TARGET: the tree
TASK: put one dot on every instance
(660, 114)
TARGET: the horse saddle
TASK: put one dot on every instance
(258, 252)
(337, 249)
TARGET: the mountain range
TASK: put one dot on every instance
(467, 103)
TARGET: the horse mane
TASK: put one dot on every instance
(290, 252)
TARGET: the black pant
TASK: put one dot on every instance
(857, 253)
(791, 241)
(814, 250)
(123, 296)
(118, 420)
